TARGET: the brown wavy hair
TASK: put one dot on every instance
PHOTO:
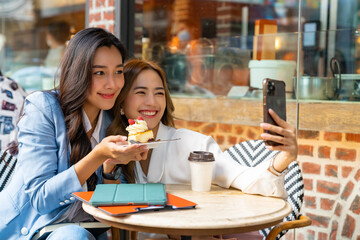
(75, 83)
(132, 69)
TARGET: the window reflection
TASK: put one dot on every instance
(207, 47)
(28, 52)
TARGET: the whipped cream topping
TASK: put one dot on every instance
(138, 127)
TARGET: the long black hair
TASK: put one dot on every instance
(75, 83)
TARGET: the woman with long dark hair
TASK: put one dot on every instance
(62, 148)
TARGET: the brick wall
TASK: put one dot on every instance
(101, 14)
(228, 18)
(329, 161)
(331, 172)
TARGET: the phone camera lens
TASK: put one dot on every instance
(271, 87)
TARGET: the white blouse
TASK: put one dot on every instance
(169, 165)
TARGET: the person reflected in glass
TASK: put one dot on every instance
(62, 143)
(57, 34)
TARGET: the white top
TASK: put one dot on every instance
(169, 165)
(96, 134)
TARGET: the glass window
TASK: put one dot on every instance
(225, 48)
(33, 34)
(207, 47)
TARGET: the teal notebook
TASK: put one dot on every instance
(129, 194)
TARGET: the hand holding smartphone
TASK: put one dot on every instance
(273, 98)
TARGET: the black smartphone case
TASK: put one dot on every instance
(273, 98)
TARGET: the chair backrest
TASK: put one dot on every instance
(12, 97)
(252, 153)
(7, 167)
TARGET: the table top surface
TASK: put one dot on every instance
(219, 211)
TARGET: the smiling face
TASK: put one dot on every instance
(106, 82)
(146, 98)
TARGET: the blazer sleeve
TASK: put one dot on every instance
(43, 155)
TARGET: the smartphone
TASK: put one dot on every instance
(273, 98)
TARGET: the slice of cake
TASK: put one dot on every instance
(138, 131)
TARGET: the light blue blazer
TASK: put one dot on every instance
(40, 189)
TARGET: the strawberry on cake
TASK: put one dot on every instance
(138, 131)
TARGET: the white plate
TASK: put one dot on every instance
(156, 143)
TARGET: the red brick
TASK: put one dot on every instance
(220, 139)
(322, 236)
(311, 234)
(193, 124)
(357, 175)
(355, 205)
(138, 7)
(328, 187)
(308, 184)
(302, 134)
(334, 227)
(330, 136)
(299, 236)
(358, 238)
(111, 3)
(180, 123)
(288, 236)
(311, 168)
(324, 152)
(98, 3)
(351, 137)
(331, 170)
(306, 150)
(241, 139)
(338, 209)
(239, 129)
(209, 128)
(253, 133)
(94, 17)
(326, 204)
(347, 190)
(108, 15)
(310, 202)
(225, 128)
(345, 171)
(345, 154)
(232, 140)
(318, 221)
(349, 227)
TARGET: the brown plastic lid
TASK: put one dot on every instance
(201, 156)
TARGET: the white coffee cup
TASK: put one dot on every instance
(201, 167)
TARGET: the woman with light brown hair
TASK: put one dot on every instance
(145, 94)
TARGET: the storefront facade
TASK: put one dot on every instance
(211, 52)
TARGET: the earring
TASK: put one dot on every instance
(122, 111)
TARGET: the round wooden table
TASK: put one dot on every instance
(219, 211)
